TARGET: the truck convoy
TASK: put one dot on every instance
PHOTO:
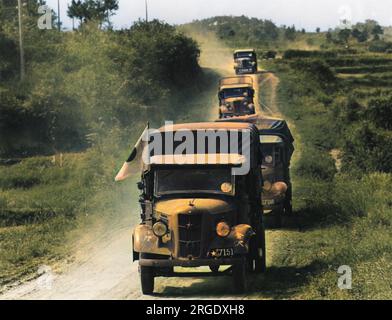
(198, 207)
(245, 61)
(236, 97)
(196, 211)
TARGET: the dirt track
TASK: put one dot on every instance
(102, 268)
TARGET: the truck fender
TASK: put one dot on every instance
(241, 236)
(145, 241)
(135, 255)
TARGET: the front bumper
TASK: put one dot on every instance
(272, 204)
(168, 263)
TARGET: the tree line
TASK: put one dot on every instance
(80, 85)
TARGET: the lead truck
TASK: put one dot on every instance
(197, 211)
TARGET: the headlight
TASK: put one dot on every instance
(279, 188)
(226, 187)
(222, 229)
(267, 186)
(269, 159)
(159, 229)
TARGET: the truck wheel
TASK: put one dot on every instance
(240, 277)
(288, 202)
(214, 269)
(147, 276)
(261, 260)
(288, 208)
(147, 279)
(261, 256)
(278, 218)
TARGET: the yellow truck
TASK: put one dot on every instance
(236, 97)
(197, 210)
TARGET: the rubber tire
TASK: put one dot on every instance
(288, 208)
(147, 277)
(261, 262)
(278, 219)
(214, 269)
(240, 277)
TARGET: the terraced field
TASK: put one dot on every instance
(369, 76)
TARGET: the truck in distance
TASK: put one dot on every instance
(236, 97)
(245, 61)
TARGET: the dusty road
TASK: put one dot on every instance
(102, 266)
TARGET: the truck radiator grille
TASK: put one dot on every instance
(189, 235)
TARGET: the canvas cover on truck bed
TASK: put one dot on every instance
(242, 80)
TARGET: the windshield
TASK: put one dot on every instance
(235, 92)
(244, 55)
(246, 63)
(216, 180)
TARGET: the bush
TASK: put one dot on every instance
(316, 70)
(379, 111)
(316, 164)
(292, 54)
(367, 148)
(380, 46)
(80, 92)
(8, 57)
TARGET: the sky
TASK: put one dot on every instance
(308, 14)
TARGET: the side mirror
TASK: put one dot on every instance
(140, 185)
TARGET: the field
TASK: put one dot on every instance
(344, 212)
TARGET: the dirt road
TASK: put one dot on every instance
(102, 266)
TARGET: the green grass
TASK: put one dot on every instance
(344, 217)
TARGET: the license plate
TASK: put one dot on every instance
(268, 202)
(221, 253)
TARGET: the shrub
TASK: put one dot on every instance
(380, 46)
(316, 164)
(367, 148)
(316, 70)
(379, 111)
(292, 54)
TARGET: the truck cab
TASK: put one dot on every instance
(245, 61)
(197, 211)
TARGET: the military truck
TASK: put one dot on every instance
(277, 145)
(197, 210)
(236, 97)
(278, 148)
(245, 61)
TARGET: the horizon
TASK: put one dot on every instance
(323, 14)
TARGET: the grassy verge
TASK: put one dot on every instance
(344, 216)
